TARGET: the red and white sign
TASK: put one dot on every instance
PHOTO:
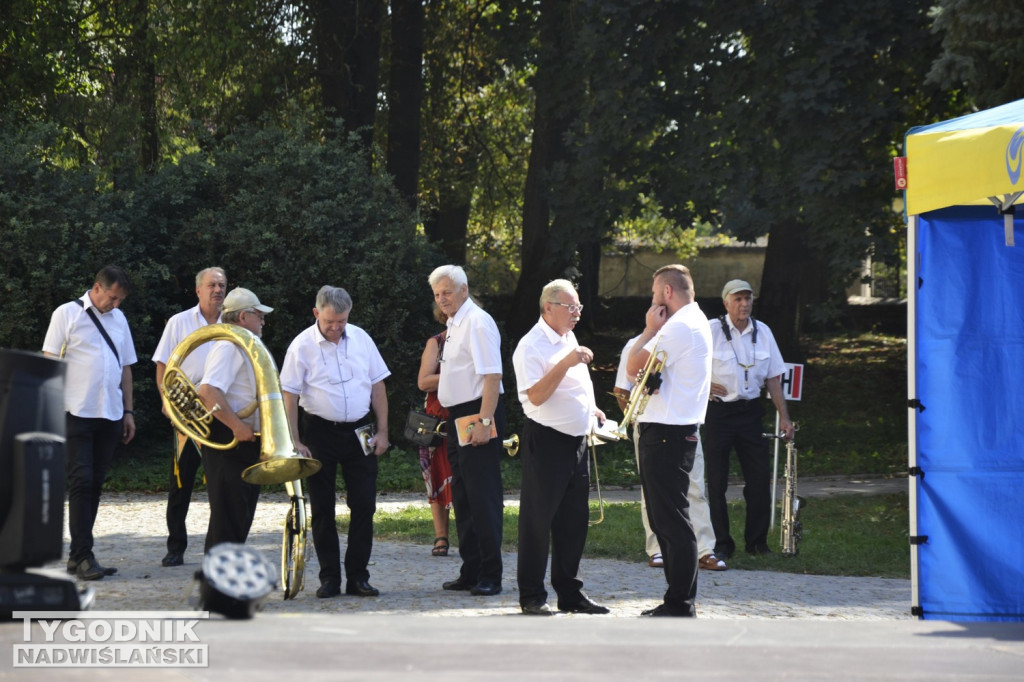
(792, 381)
(899, 167)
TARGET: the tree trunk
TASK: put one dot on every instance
(405, 96)
(448, 226)
(544, 252)
(786, 276)
(347, 40)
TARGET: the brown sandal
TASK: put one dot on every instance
(440, 549)
(709, 562)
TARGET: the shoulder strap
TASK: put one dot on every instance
(728, 334)
(103, 332)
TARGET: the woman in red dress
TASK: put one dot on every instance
(437, 473)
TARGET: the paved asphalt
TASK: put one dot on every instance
(752, 625)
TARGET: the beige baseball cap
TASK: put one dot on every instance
(243, 299)
(734, 286)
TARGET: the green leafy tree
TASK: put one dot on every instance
(982, 54)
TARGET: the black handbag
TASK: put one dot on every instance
(423, 430)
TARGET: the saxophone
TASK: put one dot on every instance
(792, 528)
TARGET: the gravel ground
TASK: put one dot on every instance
(130, 535)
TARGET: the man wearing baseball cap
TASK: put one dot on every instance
(745, 359)
(230, 383)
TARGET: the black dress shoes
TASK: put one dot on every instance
(173, 559)
(541, 609)
(73, 568)
(361, 588)
(486, 588)
(757, 550)
(328, 590)
(459, 584)
(584, 606)
(88, 569)
(663, 610)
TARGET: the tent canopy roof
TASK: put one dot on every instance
(965, 160)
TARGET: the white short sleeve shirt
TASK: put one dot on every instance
(92, 385)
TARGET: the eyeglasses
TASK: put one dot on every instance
(573, 308)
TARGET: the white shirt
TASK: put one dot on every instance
(178, 327)
(571, 407)
(472, 349)
(761, 361)
(333, 380)
(686, 378)
(92, 385)
(623, 379)
(229, 369)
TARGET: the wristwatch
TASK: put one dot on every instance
(485, 421)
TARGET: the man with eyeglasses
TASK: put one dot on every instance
(470, 384)
(211, 286)
(553, 378)
(334, 376)
(229, 383)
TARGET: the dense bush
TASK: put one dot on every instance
(283, 210)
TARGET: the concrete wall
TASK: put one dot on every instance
(630, 274)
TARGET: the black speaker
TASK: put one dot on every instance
(33, 533)
(31, 400)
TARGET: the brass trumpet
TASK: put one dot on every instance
(511, 445)
(647, 382)
(279, 461)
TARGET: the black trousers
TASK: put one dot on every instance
(337, 445)
(90, 444)
(666, 459)
(232, 500)
(477, 497)
(553, 508)
(729, 426)
(179, 499)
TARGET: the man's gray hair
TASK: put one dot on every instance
(551, 290)
(202, 273)
(453, 272)
(333, 297)
(233, 317)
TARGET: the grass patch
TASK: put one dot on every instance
(847, 535)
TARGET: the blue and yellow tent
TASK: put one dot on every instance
(965, 362)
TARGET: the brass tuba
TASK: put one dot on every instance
(647, 382)
(279, 461)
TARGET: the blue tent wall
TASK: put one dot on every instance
(969, 366)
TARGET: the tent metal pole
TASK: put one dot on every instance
(913, 263)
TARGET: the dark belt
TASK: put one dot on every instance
(340, 426)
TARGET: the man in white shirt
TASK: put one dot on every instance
(553, 379)
(93, 337)
(470, 384)
(229, 382)
(335, 373)
(700, 515)
(677, 329)
(211, 286)
(746, 358)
